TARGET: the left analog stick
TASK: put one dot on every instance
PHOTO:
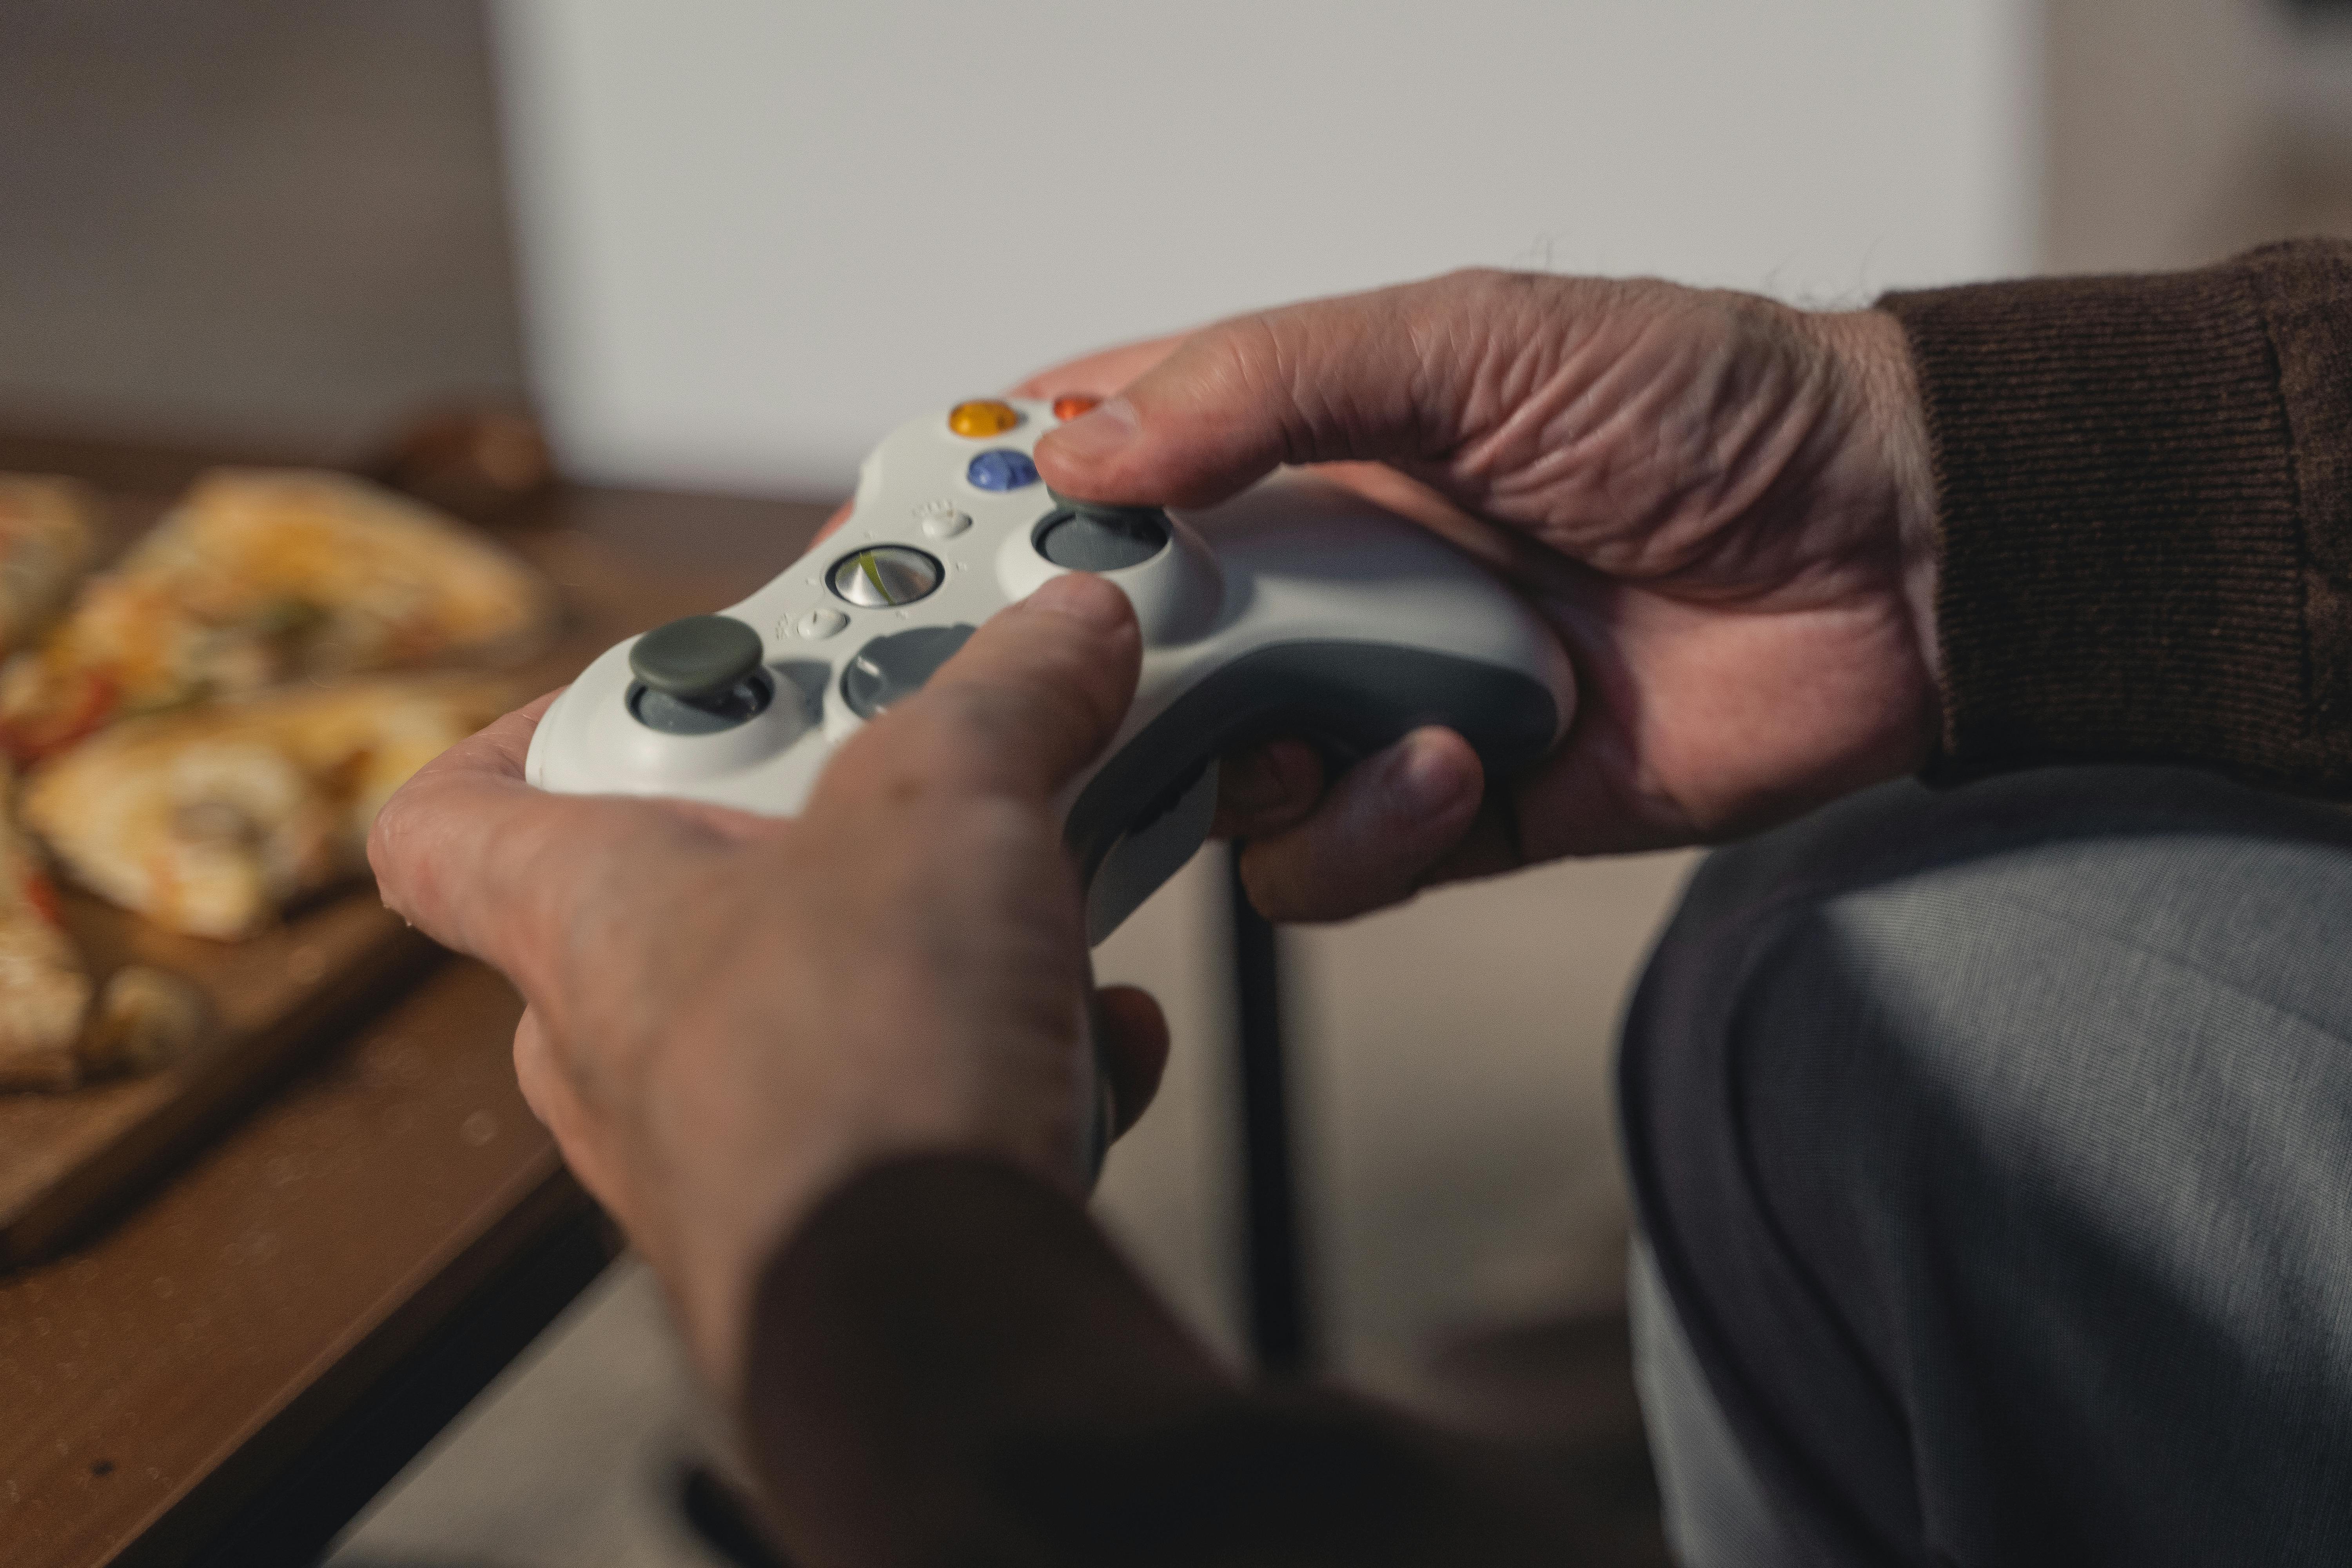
(697, 675)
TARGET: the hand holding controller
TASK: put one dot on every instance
(1295, 608)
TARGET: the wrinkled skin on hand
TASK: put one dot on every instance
(1723, 504)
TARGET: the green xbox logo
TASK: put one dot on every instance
(884, 576)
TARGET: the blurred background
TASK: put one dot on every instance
(725, 244)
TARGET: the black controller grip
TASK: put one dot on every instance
(1351, 699)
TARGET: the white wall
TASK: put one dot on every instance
(2162, 136)
(2180, 131)
(758, 235)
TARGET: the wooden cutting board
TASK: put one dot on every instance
(67, 1160)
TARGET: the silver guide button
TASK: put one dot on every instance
(885, 575)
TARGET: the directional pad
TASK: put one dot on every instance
(894, 666)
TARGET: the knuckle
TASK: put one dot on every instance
(1249, 355)
(960, 724)
(937, 743)
(979, 720)
(1480, 285)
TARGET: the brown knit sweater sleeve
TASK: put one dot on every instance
(2146, 509)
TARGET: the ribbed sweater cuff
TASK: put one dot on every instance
(2145, 512)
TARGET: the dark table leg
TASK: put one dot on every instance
(1281, 1331)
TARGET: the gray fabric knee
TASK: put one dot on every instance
(1997, 1150)
(1717, 1513)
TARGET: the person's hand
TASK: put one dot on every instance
(1724, 505)
(728, 1014)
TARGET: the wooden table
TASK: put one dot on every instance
(229, 1370)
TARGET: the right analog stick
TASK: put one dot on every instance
(1082, 537)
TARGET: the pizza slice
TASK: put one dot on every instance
(48, 535)
(211, 821)
(43, 990)
(52, 1035)
(260, 576)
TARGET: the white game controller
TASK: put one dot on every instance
(1295, 608)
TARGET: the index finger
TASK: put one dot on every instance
(1102, 373)
(463, 830)
(486, 864)
(1370, 376)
